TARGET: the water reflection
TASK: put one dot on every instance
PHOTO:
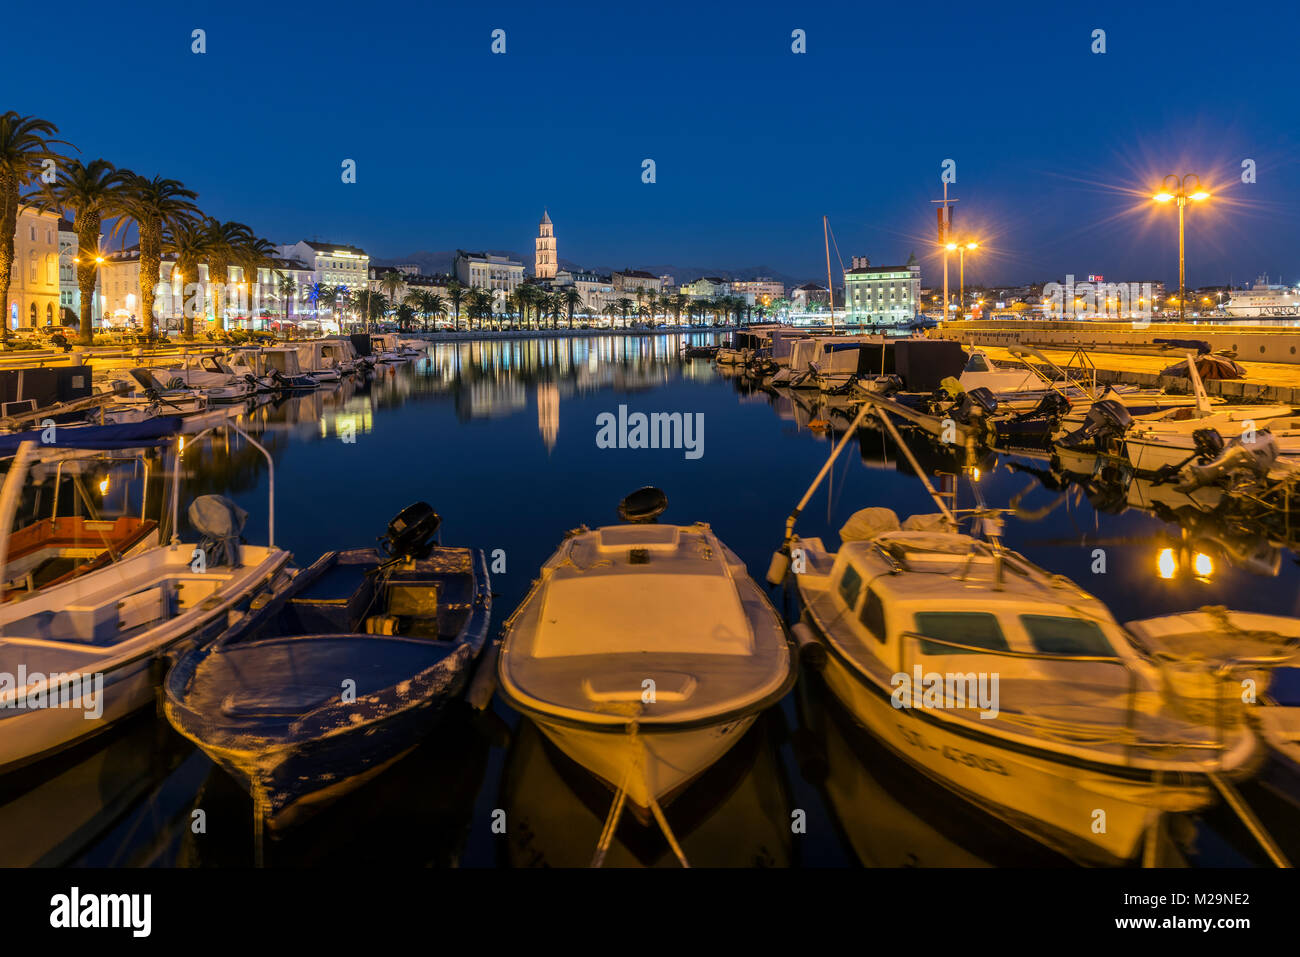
(499, 436)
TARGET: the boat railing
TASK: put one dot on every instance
(1062, 731)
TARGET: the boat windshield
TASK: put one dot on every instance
(976, 628)
(978, 363)
(1066, 636)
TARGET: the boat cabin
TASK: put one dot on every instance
(933, 599)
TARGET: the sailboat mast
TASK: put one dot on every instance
(830, 286)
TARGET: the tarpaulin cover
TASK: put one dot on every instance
(135, 435)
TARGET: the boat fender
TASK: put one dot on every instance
(776, 571)
(811, 651)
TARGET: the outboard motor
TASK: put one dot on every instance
(1238, 462)
(1107, 422)
(1208, 443)
(413, 532)
(1052, 406)
(219, 521)
(976, 404)
(643, 506)
(887, 385)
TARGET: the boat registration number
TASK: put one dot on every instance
(991, 765)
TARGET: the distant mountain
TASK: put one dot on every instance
(433, 263)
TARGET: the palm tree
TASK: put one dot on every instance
(624, 307)
(156, 205)
(225, 239)
(93, 190)
(370, 306)
(572, 299)
(286, 286)
(430, 304)
(680, 301)
(325, 293)
(519, 300)
(392, 283)
(456, 293)
(24, 146)
(188, 240)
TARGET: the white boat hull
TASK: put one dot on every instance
(1053, 802)
(651, 765)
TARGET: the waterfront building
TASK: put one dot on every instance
(69, 292)
(627, 282)
(808, 295)
(486, 271)
(758, 292)
(545, 261)
(706, 287)
(882, 294)
(331, 264)
(34, 275)
(269, 301)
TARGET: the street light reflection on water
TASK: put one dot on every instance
(500, 437)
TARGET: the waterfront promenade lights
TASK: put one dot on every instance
(1175, 188)
(960, 249)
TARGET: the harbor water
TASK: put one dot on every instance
(504, 439)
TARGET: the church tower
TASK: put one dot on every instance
(545, 263)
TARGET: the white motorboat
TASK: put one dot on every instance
(317, 359)
(1010, 686)
(77, 656)
(1077, 723)
(212, 376)
(385, 347)
(644, 652)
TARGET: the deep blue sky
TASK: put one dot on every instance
(457, 147)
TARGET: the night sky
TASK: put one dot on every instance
(1056, 147)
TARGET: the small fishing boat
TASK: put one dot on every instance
(316, 360)
(213, 377)
(76, 657)
(384, 347)
(341, 672)
(1010, 686)
(644, 652)
(276, 367)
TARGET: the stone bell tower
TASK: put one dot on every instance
(545, 263)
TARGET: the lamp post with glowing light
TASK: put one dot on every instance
(1176, 189)
(960, 249)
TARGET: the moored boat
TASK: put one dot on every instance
(90, 651)
(644, 652)
(341, 672)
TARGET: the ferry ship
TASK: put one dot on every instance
(1264, 300)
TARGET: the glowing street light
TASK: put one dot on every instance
(960, 249)
(1175, 188)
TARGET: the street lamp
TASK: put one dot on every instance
(960, 249)
(1176, 189)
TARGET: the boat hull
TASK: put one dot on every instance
(652, 765)
(1055, 802)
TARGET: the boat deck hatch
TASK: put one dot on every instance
(639, 686)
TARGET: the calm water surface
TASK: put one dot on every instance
(500, 438)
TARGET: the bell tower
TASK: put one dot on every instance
(545, 262)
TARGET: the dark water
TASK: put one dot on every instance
(500, 437)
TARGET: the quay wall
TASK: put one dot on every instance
(1252, 343)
